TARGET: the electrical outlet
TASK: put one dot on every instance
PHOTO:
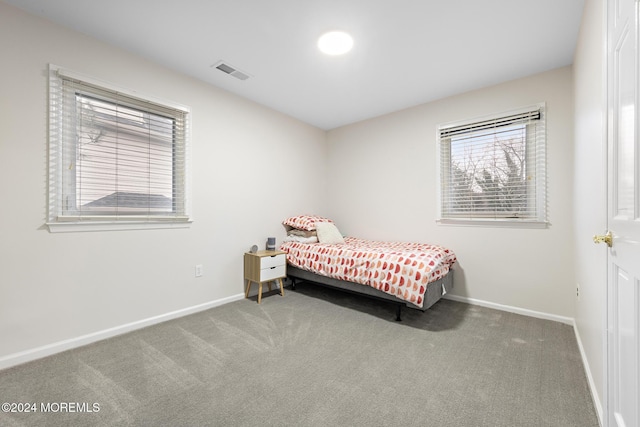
(199, 270)
(578, 290)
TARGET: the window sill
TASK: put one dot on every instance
(91, 225)
(506, 223)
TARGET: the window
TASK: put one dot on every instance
(115, 158)
(493, 169)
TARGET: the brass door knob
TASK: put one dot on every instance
(606, 238)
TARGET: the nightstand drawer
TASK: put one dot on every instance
(272, 273)
(272, 261)
(262, 266)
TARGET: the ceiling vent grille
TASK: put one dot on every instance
(232, 71)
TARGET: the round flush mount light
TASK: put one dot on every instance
(335, 43)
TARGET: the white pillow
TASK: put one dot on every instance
(328, 233)
(301, 239)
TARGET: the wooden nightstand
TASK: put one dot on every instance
(264, 266)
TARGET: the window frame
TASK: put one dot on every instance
(62, 220)
(538, 185)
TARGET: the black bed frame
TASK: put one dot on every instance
(432, 294)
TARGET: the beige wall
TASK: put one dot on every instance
(590, 189)
(383, 185)
(57, 287)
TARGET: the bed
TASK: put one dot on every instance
(414, 275)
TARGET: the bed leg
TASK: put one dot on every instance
(398, 312)
(293, 283)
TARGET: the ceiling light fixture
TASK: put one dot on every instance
(335, 43)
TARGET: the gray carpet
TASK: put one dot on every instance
(316, 357)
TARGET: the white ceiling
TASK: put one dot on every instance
(406, 52)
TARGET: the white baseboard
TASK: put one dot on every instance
(587, 369)
(50, 349)
(511, 309)
(540, 315)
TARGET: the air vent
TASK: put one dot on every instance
(232, 71)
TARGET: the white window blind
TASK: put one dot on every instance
(493, 169)
(114, 157)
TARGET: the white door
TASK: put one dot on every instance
(623, 305)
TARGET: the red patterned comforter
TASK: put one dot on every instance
(399, 269)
